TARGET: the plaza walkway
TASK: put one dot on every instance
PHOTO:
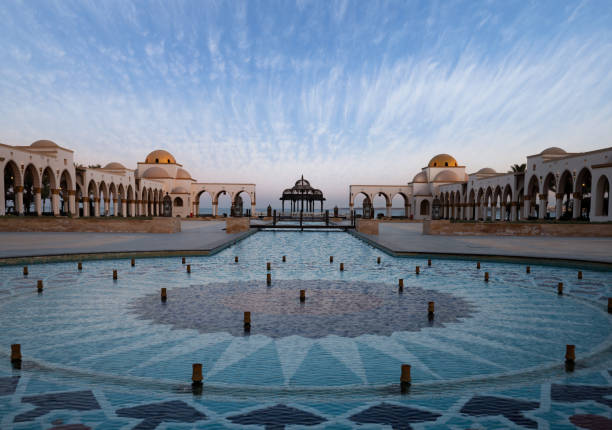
(407, 239)
(209, 236)
(202, 236)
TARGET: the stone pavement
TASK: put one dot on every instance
(202, 236)
(401, 238)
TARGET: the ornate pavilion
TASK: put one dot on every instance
(302, 192)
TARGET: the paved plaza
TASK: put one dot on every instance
(399, 238)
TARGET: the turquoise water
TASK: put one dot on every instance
(338, 352)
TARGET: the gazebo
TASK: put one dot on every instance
(302, 192)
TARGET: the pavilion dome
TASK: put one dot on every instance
(44, 144)
(419, 178)
(553, 150)
(183, 174)
(179, 190)
(160, 157)
(155, 173)
(115, 166)
(443, 160)
(446, 176)
(486, 171)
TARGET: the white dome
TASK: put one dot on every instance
(419, 178)
(446, 176)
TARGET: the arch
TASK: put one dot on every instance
(380, 198)
(31, 187)
(80, 204)
(150, 202)
(203, 202)
(103, 196)
(178, 202)
(362, 203)
(506, 204)
(424, 209)
(12, 180)
(404, 203)
(583, 190)
(565, 190)
(130, 208)
(66, 187)
(112, 197)
(92, 193)
(242, 203)
(120, 201)
(602, 196)
(533, 191)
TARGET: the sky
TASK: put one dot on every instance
(343, 92)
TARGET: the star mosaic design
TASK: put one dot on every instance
(341, 308)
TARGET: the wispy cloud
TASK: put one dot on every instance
(345, 92)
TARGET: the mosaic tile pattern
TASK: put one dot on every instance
(90, 362)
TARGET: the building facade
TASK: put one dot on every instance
(553, 184)
(42, 178)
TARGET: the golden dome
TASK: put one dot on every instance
(160, 157)
(443, 160)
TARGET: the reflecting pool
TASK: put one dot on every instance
(114, 353)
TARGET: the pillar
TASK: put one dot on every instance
(37, 201)
(96, 206)
(116, 211)
(124, 207)
(526, 207)
(132, 208)
(389, 210)
(55, 201)
(513, 211)
(72, 203)
(559, 206)
(19, 200)
(214, 208)
(2, 196)
(85, 206)
(253, 207)
(106, 207)
(543, 205)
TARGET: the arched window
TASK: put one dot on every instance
(178, 202)
(425, 207)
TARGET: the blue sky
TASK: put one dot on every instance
(342, 92)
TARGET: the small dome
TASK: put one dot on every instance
(160, 157)
(486, 171)
(115, 166)
(553, 150)
(446, 176)
(179, 190)
(419, 178)
(44, 144)
(183, 174)
(156, 173)
(443, 160)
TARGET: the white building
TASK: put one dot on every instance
(43, 177)
(555, 184)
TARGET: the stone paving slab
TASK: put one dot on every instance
(205, 236)
(407, 238)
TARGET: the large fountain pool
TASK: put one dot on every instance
(335, 357)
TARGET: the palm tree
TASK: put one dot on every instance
(518, 167)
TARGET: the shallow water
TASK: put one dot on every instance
(349, 338)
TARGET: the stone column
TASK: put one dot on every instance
(55, 204)
(543, 206)
(132, 208)
(96, 206)
(37, 201)
(526, 207)
(123, 208)
(2, 195)
(106, 207)
(513, 211)
(253, 208)
(214, 208)
(72, 209)
(389, 210)
(18, 200)
(85, 206)
(559, 206)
